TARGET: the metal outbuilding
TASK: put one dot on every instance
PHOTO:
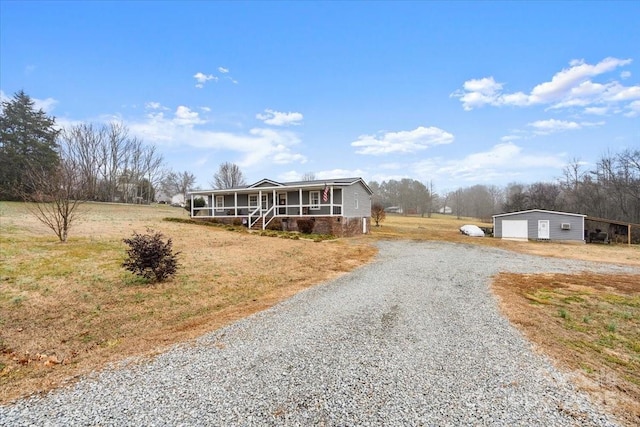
(538, 224)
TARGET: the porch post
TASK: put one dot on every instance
(235, 203)
(260, 201)
(191, 206)
(331, 201)
(300, 201)
(275, 204)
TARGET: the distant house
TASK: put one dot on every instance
(538, 224)
(336, 206)
(445, 210)
(394, 209)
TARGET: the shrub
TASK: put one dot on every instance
(275, 225)
(305, 226)
(150, 256)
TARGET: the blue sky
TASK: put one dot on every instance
(456, 93)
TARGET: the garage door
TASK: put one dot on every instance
(512, 229)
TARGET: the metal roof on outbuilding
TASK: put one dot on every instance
(539, 210)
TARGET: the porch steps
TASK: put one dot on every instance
(258, 224)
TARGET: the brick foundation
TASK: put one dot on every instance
(336, 226)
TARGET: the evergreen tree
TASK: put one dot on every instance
(27, 141)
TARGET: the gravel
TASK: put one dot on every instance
(414, 338)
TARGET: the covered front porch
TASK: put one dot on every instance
(257, 207)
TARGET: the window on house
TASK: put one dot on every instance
(355, 200)
(219, 203)
(265, 201)
(314, 199)
(253, 201)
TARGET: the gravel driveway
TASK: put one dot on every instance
(415, 338)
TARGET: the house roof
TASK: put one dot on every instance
(268, 184)
(538, 210)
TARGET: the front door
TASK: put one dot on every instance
(282, 201)
(543, 229)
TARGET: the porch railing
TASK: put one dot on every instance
(253, 213)
(257, 213)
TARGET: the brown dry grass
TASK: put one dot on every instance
(588, 323)
(68, 309)
(445, 228)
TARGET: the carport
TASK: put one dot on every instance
(617, 231)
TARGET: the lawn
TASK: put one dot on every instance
(67, 309)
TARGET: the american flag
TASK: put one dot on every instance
(325, 194)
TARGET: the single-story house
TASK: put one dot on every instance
(538, 224)
(340, 207)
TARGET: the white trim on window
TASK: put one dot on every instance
(355, 200)
(314, 200)
(219, 203)
(253, 201)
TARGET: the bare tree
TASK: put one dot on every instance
(113, 159)
(377, 213)
(56, 195)
(154, 172)
(431, 197)
(178, 183)
(229, 175)
(83, 143)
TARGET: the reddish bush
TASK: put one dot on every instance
(305, 226)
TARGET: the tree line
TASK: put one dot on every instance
(101, 163)
(609, 190)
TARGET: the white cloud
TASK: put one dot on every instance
(152, 105)
(412, 141)
(339, 173)
(289, 176)
(258, 146)
(277, 118)
(508, 138)
(503, 162)
(223, 70)
(545, 127)
(185, 117)
(479, 92)
(570, 87)
(633, 109)
(625, 74)
(47, 105)
(596, 111)
(206, 109)
(202, 78)
(294, 175)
